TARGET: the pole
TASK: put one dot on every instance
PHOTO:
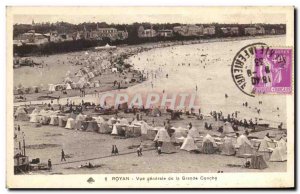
(24, 147)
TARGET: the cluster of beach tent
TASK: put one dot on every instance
(81, 79)
(70, 121)
(188, 139)
(113, 126)
(241, 146)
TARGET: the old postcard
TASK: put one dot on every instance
(150, 97)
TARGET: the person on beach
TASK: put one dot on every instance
(141, 149)
(138, 152)
(116, 150)
(159, 150)
(190, 125)
(62, 155)
(49, 164)
(113, 150)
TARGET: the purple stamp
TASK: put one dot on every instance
(272, 71)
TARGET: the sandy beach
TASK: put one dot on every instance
(202, 65)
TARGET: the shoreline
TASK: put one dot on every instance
(143, 48)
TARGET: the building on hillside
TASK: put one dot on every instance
(211, 30)
(111, 33)
(122, 35)
(189, 30)
(54, 36)
(250, 31)
(146, 33)
(260, 30)
(31, 37)
(234, 30)
(165, 33)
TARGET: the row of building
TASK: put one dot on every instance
(195, 30)
(113, 34)
(31, 37)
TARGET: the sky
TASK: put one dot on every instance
(121, 15)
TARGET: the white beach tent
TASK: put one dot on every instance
(227, 128)
(145, 127)
(280, 152)
(241, 140)
(265, 145)
(34, 117)
(21, 114)
(162, 135)
(189, 144)
(114, 70)
(227, 147)
(53, 120)
(70, 123)
(68, 87)
(114, 130)
(244, 146)
(51, 88)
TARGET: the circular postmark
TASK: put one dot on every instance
(243, 66)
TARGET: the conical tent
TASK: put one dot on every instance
(92, 126)
(78, 121)
(266, 144)
(208, 145)
(70, 123)
(51, 88)
(104, 128)
(280, 152)
(53, 120)
(79, 73)
(35, 111)
(33, 118)
(145, 127)
(114, 130)
(162, 135)
(227, 148)
(68, 87)
(21, 114)
(168, 148)
(62, 121)
(189, 144)
(227, 128)
(245, 149)
(242, 139)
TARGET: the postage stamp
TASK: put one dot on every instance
(273, 71)
(260, 69)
